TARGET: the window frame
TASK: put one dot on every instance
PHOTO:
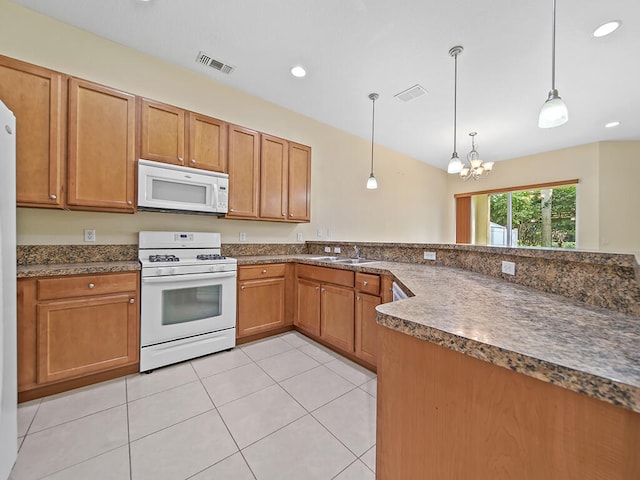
(463, 204)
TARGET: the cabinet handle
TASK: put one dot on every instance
(53, 197)
(242, 287)
(91, 285)
(291, 214)
(180, 160)
(264, 271)
(365, 283)
(193, 160)
(323, 290)
(231, 210)
(132, 300)
(129, 202)
(317, 288)
(357, 298)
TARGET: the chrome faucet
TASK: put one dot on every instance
(357, 252)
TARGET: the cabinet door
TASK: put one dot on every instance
(35, 95)
(162, 132)
(27, 339)
(102, 155)
(274, 162)
(244, 172)
(308, 306)
(366, 339)
(77, 337)
(207, 143)
(299, 183)
(337, 316)
(260, 305)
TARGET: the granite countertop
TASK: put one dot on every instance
(589, 350)
(58, 269)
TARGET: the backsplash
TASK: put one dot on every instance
(56, 254)
(608, 280)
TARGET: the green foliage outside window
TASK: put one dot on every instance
(543, 217)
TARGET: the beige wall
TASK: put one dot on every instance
(408, 206)
(618, 201)
(607, 209)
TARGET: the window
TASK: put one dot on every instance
(532, 216)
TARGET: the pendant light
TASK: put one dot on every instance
(476, 168)
(455, 165)
(372, 183)
(554, 112)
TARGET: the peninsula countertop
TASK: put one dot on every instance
(589, 350)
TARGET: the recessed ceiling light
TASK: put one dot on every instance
(298, 71)
(607, 28)
(612, 124)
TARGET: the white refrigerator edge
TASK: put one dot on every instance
(8, 313)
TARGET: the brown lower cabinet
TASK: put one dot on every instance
(443, 414)
(76, 330)
(262, 298)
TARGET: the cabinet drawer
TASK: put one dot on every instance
(368, 283)
(83, 285)
(326, 275)
(254, 272)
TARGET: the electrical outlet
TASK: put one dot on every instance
(337, 250)
(243, 236)
(299, 236)
(509, 268)
(89, 235)
(327, 249)
(429, 255)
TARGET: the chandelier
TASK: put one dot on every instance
(476, 168)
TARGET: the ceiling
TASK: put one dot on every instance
(351, 48)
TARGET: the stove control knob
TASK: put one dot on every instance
(212, 268)
(172, 270)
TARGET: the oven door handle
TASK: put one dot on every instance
(189, 277)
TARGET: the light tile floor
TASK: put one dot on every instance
(281, 408)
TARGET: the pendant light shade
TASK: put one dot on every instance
(554, 112)
(372, 183)
(455, 165)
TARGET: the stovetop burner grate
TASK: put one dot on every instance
(163, 258)
(210, 256)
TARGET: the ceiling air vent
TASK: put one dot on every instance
(206, 59)
(411, 93)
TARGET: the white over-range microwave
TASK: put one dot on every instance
(165, 187)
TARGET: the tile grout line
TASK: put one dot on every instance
(225, 426)
(126, 396)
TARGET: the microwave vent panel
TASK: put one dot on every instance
(209, 61)
(411, 93)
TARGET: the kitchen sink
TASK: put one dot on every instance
(353, 261)
(324, 259)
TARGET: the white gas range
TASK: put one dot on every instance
(188, 297)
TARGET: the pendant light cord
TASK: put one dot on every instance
(455, 102)
(373, 126)
(553, 49)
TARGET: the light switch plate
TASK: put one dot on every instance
(243, 236)
(509, 268)
(299, 236)
(89, 235)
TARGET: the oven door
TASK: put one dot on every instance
(179, 306)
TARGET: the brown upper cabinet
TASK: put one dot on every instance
(244, 172)
(37, 97)
(102, 148)
(269, 177)
(170, 134)
(285, 180)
